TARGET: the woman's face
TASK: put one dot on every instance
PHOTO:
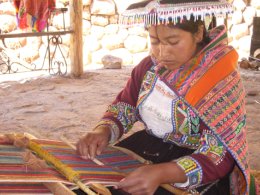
(172, 47)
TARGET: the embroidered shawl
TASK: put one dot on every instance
(213, 89)
(211, 86)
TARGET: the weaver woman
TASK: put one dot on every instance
(190, 98)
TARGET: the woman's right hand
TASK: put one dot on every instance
(94, 142)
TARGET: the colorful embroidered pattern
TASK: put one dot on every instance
(147, 85)
(218, 98)
(125, 113)
(224, 111)
(183, 140)
(192, 170)
(177, 78)
(211, 147)
(115, 132)
(187, 125)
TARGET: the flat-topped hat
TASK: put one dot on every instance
(153, 12)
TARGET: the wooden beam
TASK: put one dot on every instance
(76, 39)
(34, 34)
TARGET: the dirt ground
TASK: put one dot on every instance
(49, 107)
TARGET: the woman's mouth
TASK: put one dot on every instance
(166, 62)
(171, 65)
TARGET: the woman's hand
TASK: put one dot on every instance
(144, 180)
(94, 142)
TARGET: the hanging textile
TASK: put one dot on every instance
(33, 13)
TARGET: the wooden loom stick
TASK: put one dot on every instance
(68, 172)
(97, 187)
(58, 188)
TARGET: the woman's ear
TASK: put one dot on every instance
(199, 34)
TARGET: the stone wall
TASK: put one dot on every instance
(240, 25)
(103, 36)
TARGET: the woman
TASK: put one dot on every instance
(190, 98)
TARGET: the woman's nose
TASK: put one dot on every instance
(162, 50)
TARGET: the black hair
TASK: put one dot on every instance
(192, 26)
(138, 5)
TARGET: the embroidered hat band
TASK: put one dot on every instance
(156, 12)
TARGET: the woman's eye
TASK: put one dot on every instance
(173, 42)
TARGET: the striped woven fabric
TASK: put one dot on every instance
(16, 178)
(23, 188)
(13, 170)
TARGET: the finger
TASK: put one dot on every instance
(78, 147)
(132, 186)
(101, 147)
(82, 149)
(126, 183)
(92, 149)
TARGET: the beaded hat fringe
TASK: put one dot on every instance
(155, 13)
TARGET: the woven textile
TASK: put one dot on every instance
(13, 170)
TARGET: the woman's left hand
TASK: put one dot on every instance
(144, 180)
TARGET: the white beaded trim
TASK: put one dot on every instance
(155, 13)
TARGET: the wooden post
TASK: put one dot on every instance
(76, 38)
